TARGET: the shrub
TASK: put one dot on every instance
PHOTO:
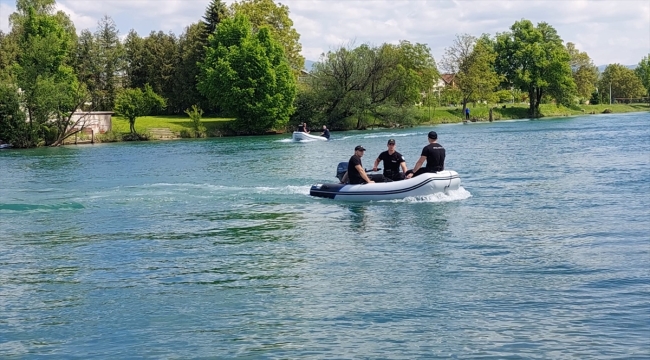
(110, 136)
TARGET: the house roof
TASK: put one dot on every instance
(448, 78)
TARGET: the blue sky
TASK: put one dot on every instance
(609, 31)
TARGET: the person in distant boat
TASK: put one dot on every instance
(301, 127)
(433, 154)
(325, 133)
(393, 161)
(304, 126)
(356, 174)
(466, 113)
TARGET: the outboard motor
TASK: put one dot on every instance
(341, 169)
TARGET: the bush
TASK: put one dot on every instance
(135, 137)
(111, 136)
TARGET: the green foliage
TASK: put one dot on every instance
(267, 13)
(247, 75)
(195, 114)
(13, 128)
(623, 81)
(214, 14)
(595, 99)
(360, 82)
(534, 60)
(132, 103)
(109, 136)
(472, 62)
(585, 74)
(642, 71)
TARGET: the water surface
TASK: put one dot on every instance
(213, 248)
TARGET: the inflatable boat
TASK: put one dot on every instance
(418, 186)
(301, 136)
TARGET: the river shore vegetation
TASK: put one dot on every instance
(239, 71)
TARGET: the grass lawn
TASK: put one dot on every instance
(175, 123)
(520, 111)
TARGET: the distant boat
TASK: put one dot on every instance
(302, 136)
(5, 146)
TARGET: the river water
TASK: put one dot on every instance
(214, 248)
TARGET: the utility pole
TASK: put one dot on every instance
(610, 93)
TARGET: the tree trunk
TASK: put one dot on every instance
(531, 102)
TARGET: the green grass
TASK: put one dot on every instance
(175, 123)
(520, 111)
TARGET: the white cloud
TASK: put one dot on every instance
(610, 31)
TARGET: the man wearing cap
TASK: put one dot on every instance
(433, 154)
(392, 163)
(356, 174)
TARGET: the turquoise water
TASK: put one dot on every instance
(214, 249)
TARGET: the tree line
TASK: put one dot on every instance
(243, 61)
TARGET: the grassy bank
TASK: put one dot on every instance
(520, 111)
(175, 123)
(217, 126)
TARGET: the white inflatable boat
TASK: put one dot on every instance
(421, 185)
(301, 136)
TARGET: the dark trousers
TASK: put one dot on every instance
(466, 116)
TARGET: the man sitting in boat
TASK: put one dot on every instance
(433, 154)
(325, 133)
(392, 163)
(302, 127)
(356, 174)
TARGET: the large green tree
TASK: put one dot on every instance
(534, 59)
(585, 74)
(471, 60)
(369, 80)
(642, 71)
(247, 74)
(276, 16)
(621, 83)
(42, 70)
(13, 128)
(186, 71)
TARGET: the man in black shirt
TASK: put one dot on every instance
(433, 154)
(356, 174)
(392, 163)
(325, 133)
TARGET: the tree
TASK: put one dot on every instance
(41, 68)
(371, 80)
(195, 114)
(214, 14)
(276, 16)
(186, 71)
(111, 63)
(535, 60)
(623, 82)
(248, 75)
(13, 128)
(585, 74)
(133, 103)
(472, 62)
(642, 71)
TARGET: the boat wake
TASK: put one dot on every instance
(449, 196)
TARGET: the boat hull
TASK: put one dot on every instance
(419, 186)
(301, 136)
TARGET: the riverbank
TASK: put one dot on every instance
(217, 127)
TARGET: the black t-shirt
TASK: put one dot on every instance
(326, 134)
(301, 128)
(353, 174)
(391, 162)
(435, 154)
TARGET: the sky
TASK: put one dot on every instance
(609, 31)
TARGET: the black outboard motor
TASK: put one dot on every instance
(341, 169)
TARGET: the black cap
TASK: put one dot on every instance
(433, 135)
(359, 148)
(391, 141)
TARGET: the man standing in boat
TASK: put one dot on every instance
(433, 154)
(392, 163)
(356, 174)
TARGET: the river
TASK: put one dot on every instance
(214, 249)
